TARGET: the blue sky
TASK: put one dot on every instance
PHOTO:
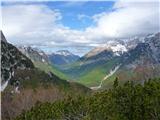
(70, 10)
(76, 26)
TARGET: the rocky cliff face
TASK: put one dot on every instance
(34, 54)
(154, 43)
(11, 60)
(147, 52)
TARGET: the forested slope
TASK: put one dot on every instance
(127, 102)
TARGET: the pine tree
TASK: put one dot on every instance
(115, 82)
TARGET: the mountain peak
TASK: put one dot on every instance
(35, 54)
(62, 57)
(120, 46)
(63, 52)
(3, 37)
(114, 46)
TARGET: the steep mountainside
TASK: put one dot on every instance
(11, 60)
(34, 54)
(23, 84)
(149, 50)
(62, 57)
(140, 63)
(41, 60)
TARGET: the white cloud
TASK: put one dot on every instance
(27, 19)
(83, 16)
(128, 19)
(38, 25)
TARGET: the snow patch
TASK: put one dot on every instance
(119, 48)
(3, 86)
(116, 48)
(63, 52)
(105, 78)
(43, 60)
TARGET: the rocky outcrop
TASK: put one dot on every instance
(12, 59)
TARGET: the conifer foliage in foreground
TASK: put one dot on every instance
(127, 102)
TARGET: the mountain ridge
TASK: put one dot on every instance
(144, 52)
(62, 57)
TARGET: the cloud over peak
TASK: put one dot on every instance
(40, 25)
(129, 19)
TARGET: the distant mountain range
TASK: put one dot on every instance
(30, 75)
(58, 58)
(49, 62)
(139, 60)
(63, 57)
(36, 55)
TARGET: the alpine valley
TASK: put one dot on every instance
(136, 59)
(31, 77)
(80, 60)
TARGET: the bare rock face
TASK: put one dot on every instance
(12, 59)
(36, 55)
(154, 43)
(3, 37)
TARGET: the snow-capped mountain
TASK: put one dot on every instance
(119, 46)
(63, 53)
(140, 56)
(62, 57)
(35, 54)
(149, 50)
(154, 42)
(115, 47)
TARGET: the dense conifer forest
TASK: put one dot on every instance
(128, 102)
